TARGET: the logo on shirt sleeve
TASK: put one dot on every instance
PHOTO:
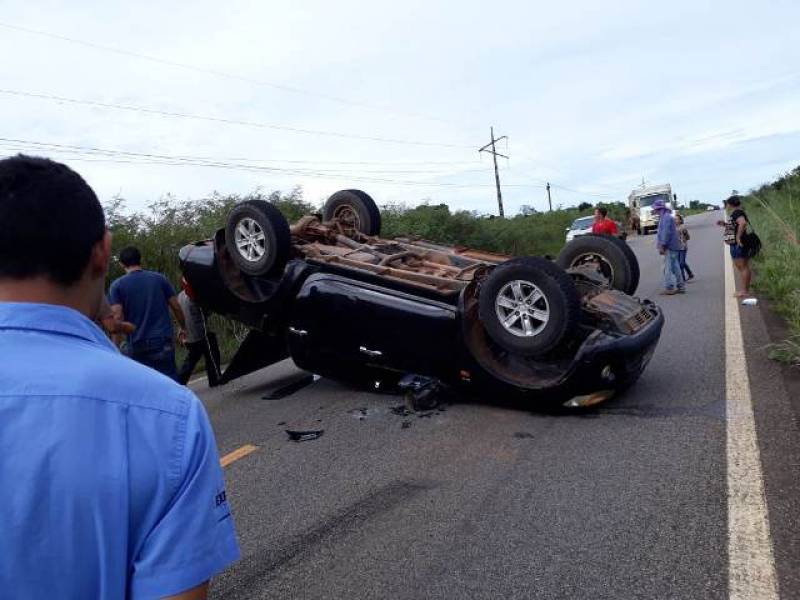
(221, 508)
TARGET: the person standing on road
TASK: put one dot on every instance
(199, 342)
(113, 487)
(735, 229)
(684, 237)
(602, 224)
(145, 298)
(106, 319)
(669, 247)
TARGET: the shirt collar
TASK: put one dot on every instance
(51, 318)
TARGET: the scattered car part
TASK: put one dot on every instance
(304, 435)
(420, 393)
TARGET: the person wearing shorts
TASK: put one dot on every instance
(735, 228)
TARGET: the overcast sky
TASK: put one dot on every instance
(593, 96)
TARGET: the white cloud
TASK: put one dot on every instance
(592, 96)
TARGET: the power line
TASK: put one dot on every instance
(207, 71)
(24, 145)
(165, 113)
(94, 154)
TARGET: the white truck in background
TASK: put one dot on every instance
(640, 202)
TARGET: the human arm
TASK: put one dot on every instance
(116, 326)
(741, 227)
(175, 306)
(191, 537)
(663, 234)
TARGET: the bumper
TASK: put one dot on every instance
(609, 362)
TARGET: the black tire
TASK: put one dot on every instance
(559, 297)
(634, 264)
(356, 208)
(613, 263)
(265, 255)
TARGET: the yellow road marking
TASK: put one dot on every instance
(237, 454)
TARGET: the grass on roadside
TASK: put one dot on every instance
(774, 210)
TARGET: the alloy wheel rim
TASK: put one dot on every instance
(522, 308)
(251, 242)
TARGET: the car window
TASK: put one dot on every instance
(648, 200)
(582, 223)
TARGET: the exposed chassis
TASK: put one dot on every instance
(362, 308)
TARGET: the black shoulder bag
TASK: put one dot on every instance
(750, 241)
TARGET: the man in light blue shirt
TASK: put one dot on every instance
(110, 475)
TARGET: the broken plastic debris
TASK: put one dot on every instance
(304, 435)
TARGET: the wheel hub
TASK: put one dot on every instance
(348, 217)
(601, 264)
(250, 240)
(522, 308)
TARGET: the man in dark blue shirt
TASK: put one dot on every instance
(145, 298)
(110, 473)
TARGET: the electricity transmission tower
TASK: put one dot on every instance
(495, 154)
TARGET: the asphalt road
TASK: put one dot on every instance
(627, 500)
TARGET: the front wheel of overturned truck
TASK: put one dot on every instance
(529, 306)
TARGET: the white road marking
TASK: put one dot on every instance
(751, 564)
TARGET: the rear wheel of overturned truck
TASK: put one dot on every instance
(529, 306)
(608, 256)
(257, 238)
(355, 211)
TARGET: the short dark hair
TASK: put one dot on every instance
(734, 201)
(50, 219)
(602, 210)
(130, 256)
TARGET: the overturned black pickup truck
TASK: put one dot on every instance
(347, 304)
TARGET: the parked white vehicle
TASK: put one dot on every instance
(580, 226)
(641, 199)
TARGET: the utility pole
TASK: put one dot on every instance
(495, 154)
(549, 200)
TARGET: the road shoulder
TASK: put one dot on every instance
(776, 394)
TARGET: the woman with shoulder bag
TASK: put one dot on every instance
(743, 245)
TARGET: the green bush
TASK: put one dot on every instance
(168, 224)
(774, 210)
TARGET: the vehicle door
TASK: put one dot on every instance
(352, 323)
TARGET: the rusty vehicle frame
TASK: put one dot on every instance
(422, 301)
